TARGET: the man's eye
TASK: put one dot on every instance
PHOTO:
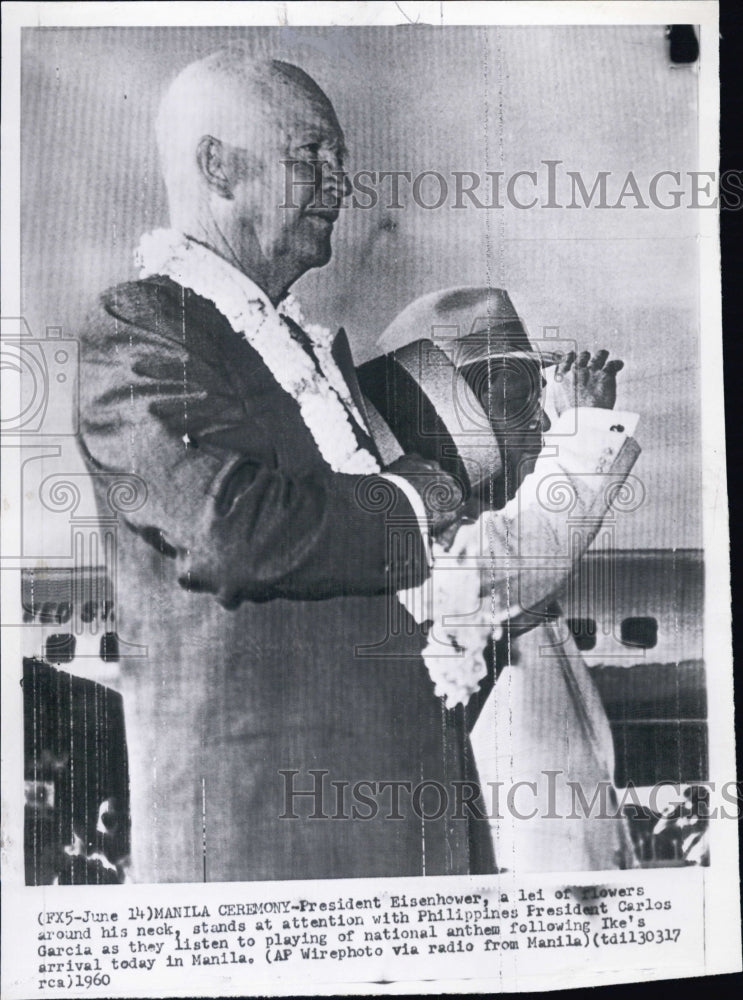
(312, 149)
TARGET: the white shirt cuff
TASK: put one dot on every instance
(584, 419)
(415, 501)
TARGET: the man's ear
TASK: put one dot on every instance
(210, 156)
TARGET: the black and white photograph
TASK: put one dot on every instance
(366, 610)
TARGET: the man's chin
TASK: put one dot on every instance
(318, 255)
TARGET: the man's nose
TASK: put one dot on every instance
(541, 422)
(335, 181)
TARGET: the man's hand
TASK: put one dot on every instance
(585, 381)
(441, 493)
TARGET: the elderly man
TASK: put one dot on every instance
(257, 576)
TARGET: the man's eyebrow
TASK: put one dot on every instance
(312, 133)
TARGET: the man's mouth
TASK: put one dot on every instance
(328, 215)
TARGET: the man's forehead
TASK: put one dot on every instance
(294, 110)
(306, 112)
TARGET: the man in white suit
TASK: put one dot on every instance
(543, 732)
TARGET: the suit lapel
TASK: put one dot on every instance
(342, 356)
(341, 353)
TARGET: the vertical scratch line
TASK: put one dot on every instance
(203, 824)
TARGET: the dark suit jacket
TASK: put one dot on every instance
(262, 586)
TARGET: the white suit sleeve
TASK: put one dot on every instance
(527, 549)
(523, 552)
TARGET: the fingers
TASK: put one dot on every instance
(598, 360)
(566, 363)
(446, 537)
(594, 364)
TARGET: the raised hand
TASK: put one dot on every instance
(585, 381)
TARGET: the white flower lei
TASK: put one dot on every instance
(248, 311)
(447, 592)
(460, 625)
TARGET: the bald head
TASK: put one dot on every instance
(228, 128)
(241, 101)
